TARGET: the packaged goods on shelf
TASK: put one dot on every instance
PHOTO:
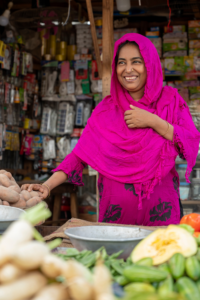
(194, 93)
(195, 188)
(175, 35)
(194, 52)
(174, 66)
(158, 44)
(155, 29)
(175, 28)
(175, 53)
(194, 33)
(118, 33)
(153, 34)
(194, 44)
(185, 191)
(194, 23)
(174, 44)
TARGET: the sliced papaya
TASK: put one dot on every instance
(162, 244)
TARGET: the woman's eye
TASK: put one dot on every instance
(121, 62)
(137, 62)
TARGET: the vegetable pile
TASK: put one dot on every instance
(163, 266)
(11, 194)
(29, 271)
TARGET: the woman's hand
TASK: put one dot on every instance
(36, 187)
(138, 118)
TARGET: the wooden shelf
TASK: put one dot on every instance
(21, 172)
(188, 202)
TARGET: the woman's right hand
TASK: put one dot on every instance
(36, 187)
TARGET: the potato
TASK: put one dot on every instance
(9, 175)
(5, 181)
(33, 201)
(8, 195)
(20, 204)
(15, 188)
(35, 194)
(6, 203)
(26, 195)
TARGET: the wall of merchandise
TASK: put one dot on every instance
(43, 113)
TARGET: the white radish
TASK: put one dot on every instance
(55, 291)
(30, 255)
(102, 280)
(23, 288)
(73, 269)
(53, 266)
(80, 289)
(10, 272)
(19, 233)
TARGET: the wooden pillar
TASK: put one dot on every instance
(108, 41)
(94, 36)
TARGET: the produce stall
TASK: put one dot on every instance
(163, 264)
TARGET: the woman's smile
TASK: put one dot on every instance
(131, 79)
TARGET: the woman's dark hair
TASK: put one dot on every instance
(121, 46)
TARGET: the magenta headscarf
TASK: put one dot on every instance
(138, 156)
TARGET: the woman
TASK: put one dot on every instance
(132, 140)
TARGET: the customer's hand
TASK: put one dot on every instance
(138, 118)
(36, 187)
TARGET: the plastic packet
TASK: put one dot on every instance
(53, 121)
(49, 148)
(86, 113)
(64, 148)
(46, 118)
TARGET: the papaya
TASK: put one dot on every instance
(162, 244)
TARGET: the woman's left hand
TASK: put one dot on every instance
(138, 118)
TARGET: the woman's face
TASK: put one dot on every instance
(131, 70)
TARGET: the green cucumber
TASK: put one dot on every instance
(188, 288)
(166, 286)
(198, 285)
(138, 273)
(165, 267)
(198, 254)
(192, 267)
(139, 287)
(147, 261)
(121, 280)
(177, 265)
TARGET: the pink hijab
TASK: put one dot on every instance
(138, 156)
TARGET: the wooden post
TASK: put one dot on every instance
(108, 41)
(94, 36)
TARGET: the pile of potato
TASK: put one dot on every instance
(11, 194)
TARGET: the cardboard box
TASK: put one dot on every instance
(194, 23)
(194, 44)
(152, 33)
(174, 66)
(174, 44)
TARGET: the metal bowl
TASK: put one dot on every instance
(113, 238)
(8, 215)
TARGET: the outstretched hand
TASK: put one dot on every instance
(138, 118)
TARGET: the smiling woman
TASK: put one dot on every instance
(132, 139)
(131, 70)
